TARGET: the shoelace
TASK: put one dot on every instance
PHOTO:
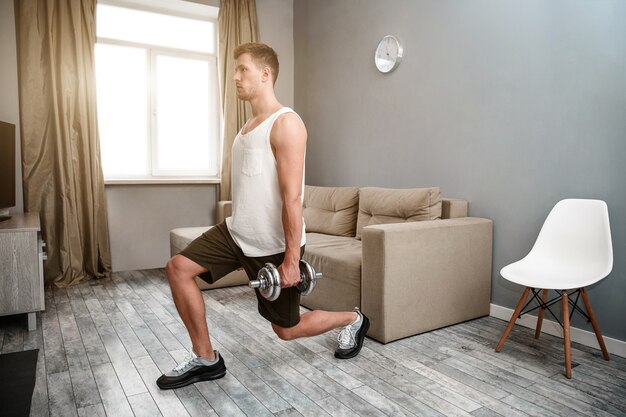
(346, 337)
(190, 356)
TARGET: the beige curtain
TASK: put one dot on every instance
(237, 24)
(60, 147)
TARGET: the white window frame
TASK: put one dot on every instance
(156, 175)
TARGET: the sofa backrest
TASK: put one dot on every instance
(342, 211)
(331, 210)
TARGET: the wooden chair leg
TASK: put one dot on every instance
(566, 335)
(544, 298)
(509, 326)
(594, 323)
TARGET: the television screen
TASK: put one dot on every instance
(7, 165)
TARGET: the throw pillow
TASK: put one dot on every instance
(331, 210)
(386, 205)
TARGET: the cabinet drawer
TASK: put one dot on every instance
(20, 285)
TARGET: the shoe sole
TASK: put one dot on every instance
(361, 337)
(193, 380)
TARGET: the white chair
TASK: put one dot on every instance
(573, 250)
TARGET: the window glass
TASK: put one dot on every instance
(182, 86)
(123, 109)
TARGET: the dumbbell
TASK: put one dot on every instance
(268, 280)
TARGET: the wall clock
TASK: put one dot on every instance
(388, 54)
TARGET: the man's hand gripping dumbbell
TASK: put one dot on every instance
(269, 281)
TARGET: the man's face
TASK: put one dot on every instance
(248, 77)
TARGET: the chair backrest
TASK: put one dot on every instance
(577, 233)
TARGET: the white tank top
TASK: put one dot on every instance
(256, 222)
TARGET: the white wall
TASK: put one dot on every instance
(9, 98)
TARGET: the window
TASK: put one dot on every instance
(157, 89)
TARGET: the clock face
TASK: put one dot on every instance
(388, 54)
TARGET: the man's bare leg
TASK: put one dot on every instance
(181, 272)
(316, 322)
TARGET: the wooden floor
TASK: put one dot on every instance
(104, 343)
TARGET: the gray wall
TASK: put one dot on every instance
(141, 217)
(512, 105)
(275, 19)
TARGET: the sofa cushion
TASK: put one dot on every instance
(386, 205)
(338, 258)
(183, 236)
(331, 210)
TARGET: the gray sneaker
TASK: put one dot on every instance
(193, 369)
(352, 336)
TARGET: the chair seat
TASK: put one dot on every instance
(552, 275)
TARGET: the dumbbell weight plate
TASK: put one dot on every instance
(308, 278)
(270, 282)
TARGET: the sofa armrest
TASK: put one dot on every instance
(452, 208)
(224, 210)
(425, 275)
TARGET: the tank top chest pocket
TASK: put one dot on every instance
(252, 163)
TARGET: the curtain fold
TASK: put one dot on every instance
(61, 164)
(237, 22)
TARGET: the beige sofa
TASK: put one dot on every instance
(412, 261)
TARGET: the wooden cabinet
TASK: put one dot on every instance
(21, 266)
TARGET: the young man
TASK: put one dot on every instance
(266, 226)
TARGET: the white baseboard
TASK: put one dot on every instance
(584, 337)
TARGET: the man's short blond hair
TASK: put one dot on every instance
(262, 55)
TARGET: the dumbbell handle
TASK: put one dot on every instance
(257, 283)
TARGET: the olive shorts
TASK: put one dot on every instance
(216, 251)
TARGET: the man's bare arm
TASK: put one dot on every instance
(288, 140)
